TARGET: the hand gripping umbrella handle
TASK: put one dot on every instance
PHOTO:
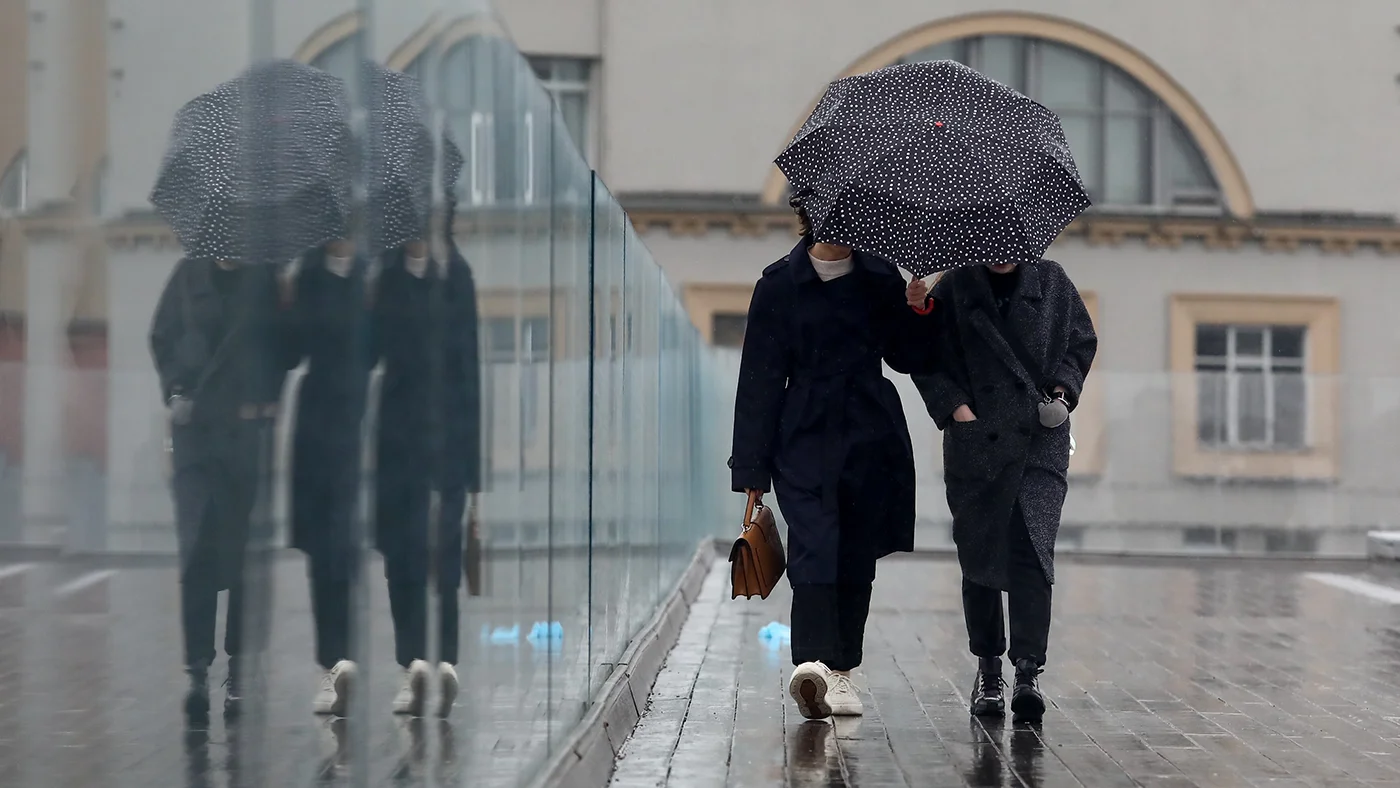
(926, 308)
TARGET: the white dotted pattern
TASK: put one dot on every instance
(400, 168)
(258, 169)
(934, 166)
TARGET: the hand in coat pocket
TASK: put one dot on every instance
(963, 414)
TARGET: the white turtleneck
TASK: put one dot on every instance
(417, 266)
(340, 266)
(828, 270)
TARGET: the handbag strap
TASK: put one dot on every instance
(1038, 375)
(755, 501)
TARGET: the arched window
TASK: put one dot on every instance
(14, 185)
(339, 58)
(1132, 152)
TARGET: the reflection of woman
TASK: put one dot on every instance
(1018, 337)
(331, 334)
(816, 416)
(428, 439)
(216, 338)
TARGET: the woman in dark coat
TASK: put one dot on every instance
(1004, 469)
(429, 439)
(332, 333)
(816, 420)
(218, 339)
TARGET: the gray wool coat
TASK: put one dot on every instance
(1005, 456)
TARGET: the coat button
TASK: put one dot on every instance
(730, 463)
(992, 437)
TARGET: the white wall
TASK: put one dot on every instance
(700, 96)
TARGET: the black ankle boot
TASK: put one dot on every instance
(987, 697)
(197, 697)
(1027, 704)
(233, 692)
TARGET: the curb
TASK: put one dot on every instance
(589, 754)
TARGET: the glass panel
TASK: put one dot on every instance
(573, 106)
(1287, 343)
(1084, 133)
(1249, 342)
(1211, 340)
(1290, 410)
(1128, 161)
(1186, 167)
(727, 329)
(1003, 58)
(1252, 408)
(1124, 94)
(1068, 79)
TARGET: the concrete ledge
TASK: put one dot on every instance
(1383, 545)
(588, 756)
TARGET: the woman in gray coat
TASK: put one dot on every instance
(1018, 344)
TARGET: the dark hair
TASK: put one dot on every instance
(804, 223)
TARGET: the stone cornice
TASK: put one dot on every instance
(1214, 232)
(752, 220)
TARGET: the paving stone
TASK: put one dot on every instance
(1160, 674)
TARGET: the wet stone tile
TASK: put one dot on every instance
(1230, 692)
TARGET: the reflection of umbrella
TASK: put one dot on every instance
(932, 166)
(400, 165)
(258, 169)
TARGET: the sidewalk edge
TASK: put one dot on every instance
(589, 754)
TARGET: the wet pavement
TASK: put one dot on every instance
(91, 686)
(1213, 674)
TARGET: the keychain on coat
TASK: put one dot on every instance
(1054, 411)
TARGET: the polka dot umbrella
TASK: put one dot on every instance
(399, 165)
(933, 166)
(258, 169)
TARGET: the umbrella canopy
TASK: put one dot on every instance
(399, 167)
(258, 169)
(932, 166)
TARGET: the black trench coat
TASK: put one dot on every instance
(219, 456)
(1006, 456)
(332, 334)
(429, 413)
(817, 418)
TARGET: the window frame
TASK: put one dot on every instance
(1318, 460)
(704, 300)
(1236, 364)
(1165, 198)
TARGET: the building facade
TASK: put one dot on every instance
(1239, 262)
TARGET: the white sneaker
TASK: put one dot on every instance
(414, 692)
(448, 684)
(334, 696)
(842, 697)
(809, 686)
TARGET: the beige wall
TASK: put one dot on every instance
(14, 74)
(722, 83)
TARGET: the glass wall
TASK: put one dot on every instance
(329, 339)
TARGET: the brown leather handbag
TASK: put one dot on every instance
(757, 560)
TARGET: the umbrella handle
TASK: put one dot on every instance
(925, 309)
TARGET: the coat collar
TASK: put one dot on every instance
(975, 286)
(800, 263)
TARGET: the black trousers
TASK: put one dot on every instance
(330, 609)
(215, 488)
(828, 624)
(1029, 603)
(408, 583)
